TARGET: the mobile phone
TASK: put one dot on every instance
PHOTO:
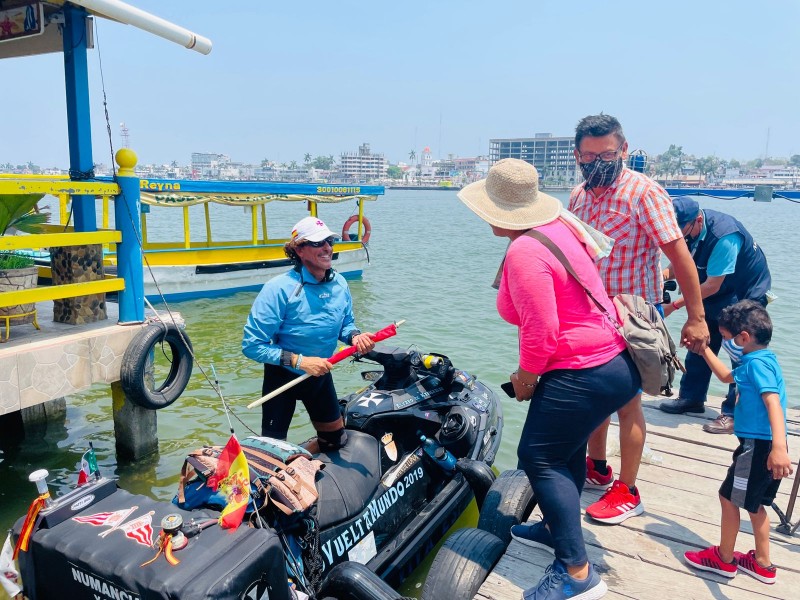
(508, 388)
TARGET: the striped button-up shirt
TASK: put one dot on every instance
(637, 213)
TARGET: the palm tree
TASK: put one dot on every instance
(307, 158)
(293, 165)
(412, 156)
(264, 163)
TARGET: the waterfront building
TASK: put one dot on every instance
(552, 156)
(209, 164)
(361, 166)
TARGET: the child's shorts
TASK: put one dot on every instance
(749, 483)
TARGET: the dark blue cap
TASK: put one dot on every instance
(686, 210)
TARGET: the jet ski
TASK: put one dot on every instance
(422, 437)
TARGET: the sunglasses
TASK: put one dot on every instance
(330, 241)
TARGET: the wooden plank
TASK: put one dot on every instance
(650, 574)
(49, 240)
(69, 290)
(57, 185)
(643, 557)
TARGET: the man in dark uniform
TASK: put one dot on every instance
(731, 267)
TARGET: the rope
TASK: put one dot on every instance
(139, 241)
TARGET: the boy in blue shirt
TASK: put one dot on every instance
(762, 459)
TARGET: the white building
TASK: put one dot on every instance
(362, 166)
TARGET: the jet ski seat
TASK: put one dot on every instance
(349, 480)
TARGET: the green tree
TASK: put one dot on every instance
(734, 164)
(795, 160)
(707, 164)
(672, 160)
(265, 162)
(293, 165)
(394, 172)
(307, 158)
(324, 163)
(412, 156)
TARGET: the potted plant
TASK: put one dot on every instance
(17, 271)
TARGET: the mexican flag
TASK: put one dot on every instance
(88, 466)
(232, 477)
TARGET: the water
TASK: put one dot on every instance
(432, 264)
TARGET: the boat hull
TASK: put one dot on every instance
(176, 283)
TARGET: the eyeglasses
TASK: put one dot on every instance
(587, 157)
(330, 241)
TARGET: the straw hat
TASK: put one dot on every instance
(510, 198)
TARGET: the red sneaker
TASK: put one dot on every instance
(596, 481)
(710, 560)
(616, 505)
(749, 564)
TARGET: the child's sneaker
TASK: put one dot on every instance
(710, 560)
(558, 585)
(534, 534)
(616, 505)
(595, 480)
(749, 564)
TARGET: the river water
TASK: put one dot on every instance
(432, 263)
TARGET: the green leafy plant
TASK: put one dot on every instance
(12, 260)
(17, 211)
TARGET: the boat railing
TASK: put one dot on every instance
(125, 192)
(58, 236)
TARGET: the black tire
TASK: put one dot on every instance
(510, 501)
(132, 372)
(462, 565)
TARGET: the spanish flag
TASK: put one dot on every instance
(232, 477)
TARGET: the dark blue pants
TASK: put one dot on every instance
(567, 406)
(694, 383)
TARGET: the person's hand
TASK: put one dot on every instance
(695, 336)
(779, 463)
(314, 365)
(364, 342)
(668, 309)
(523, 390)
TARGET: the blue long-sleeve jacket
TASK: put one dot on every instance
(295, 312)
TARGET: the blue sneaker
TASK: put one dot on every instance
(535, 535)
(558, 585)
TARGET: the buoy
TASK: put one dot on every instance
(347, 237)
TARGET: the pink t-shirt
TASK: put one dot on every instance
(559, 326)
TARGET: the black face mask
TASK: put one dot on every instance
(601, 173)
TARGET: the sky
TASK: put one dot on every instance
(289, 78)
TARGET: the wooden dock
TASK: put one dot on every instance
(642, 558)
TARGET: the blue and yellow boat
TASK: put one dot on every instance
(232, 252)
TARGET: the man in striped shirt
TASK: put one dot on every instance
(637, 213)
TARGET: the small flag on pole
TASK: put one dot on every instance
(232, 477)
(88, 466)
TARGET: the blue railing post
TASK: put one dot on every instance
(127, 219)
(76, 78)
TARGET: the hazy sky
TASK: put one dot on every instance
(286, 78)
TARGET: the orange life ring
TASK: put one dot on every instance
(354, 219)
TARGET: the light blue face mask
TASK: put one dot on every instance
(733, 349)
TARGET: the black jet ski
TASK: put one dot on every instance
(421, 440)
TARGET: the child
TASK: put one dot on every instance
(761, 459)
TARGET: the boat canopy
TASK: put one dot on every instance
(174, 192)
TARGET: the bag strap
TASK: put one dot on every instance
(559, 254)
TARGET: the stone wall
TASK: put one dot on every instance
(15, 280)
(77, 264)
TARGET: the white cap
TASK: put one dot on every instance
(311, 229)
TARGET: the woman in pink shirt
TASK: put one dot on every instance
(573, 365)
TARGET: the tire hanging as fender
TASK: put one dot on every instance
(509, 502)
(133, 377)
(462, 565)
